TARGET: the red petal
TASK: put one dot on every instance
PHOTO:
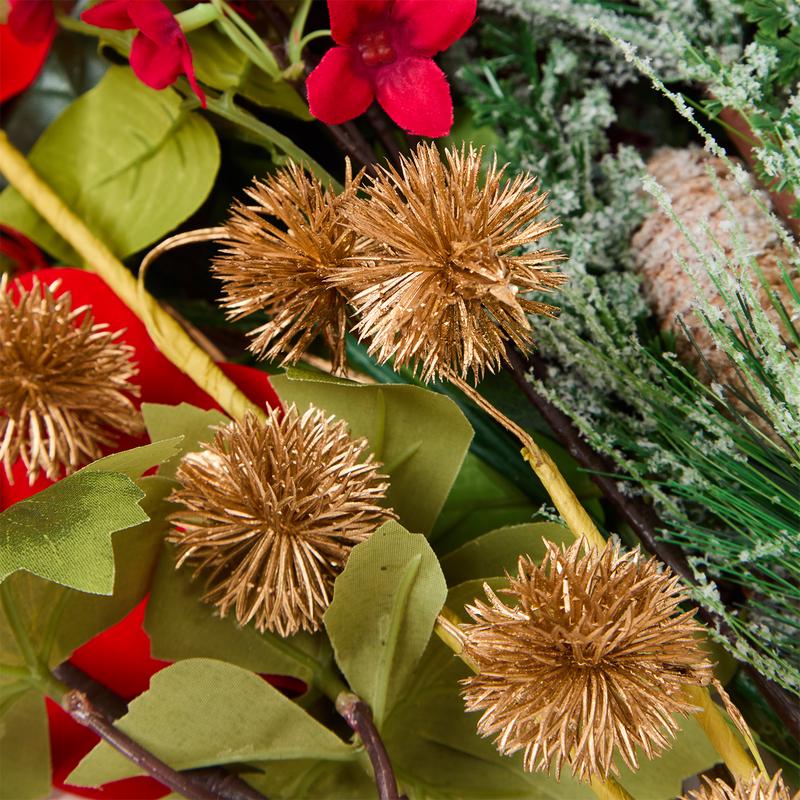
(347, 16)
(415, 94)
(112, 14)
(32, 21)
(336, 93)
(154, 65)
(188, 68)
(19, 63)
(428, 27)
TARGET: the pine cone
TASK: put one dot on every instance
(670, 291)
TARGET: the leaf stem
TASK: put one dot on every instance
(357, 715)
(172, 340)
(197, 17)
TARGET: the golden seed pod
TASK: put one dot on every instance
(271, 510)
(588, 658)
(65, 383)
(279, 254)
(756, 788)
(444, 287)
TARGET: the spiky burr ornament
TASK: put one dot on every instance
(444, 288)
(271, 510)
(757, 788)
(65, 382)
(589, 657)
(279, 255)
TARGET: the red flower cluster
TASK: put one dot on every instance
(119, 658)
(385, 53)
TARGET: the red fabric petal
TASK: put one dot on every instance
(428, 27)
(23, 254)
(336, 93)
(155, 66)
(188, 68)
(415, 94)
(347, 16)
(113, 14)
(19, 62)
(32, 21)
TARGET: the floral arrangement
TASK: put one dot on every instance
(399, 399)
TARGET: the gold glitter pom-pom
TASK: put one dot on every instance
(757, 788)
(444, 288)
(271, 511)
(64, 383)
(589, 658)
(279, 254)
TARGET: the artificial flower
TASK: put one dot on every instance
(384, 52)
(18, 253)
(160, 52)
(119, 657)
(24, 44)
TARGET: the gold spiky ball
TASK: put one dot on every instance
(271, 510)
(65, 382)
(279, 253)
(589, 657)
(757, 787)
(445, 287)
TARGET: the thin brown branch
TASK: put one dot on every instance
(357, 715)
(642, 518)
(386, 133)
(103, 704)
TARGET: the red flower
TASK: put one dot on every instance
(385, 54)
(119, 657)
(18, 251)
(160, 52)
(24, 44)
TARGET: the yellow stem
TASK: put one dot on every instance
(609, 789)
(171, 339)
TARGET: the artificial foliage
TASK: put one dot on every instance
(362, 434)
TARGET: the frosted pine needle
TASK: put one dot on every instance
(271, 512)
(64, 382)
(588, 658)
(757, 788)
(280, 252)
(445, 285)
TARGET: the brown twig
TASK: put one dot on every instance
(100, 707)
(642, 518)
(386, 134)
(357, 715)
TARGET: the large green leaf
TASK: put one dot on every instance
(182, 626)
(24, 750)
(219, 64)
(127, 160)
(384, 606)
(481, 500)
(63, 533)
(201, 712)
(59, 620)
(314, 780)
(420, 436)
(194, 424)
(498, 551)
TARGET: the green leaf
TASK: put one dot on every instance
(202, 712)
(58, 619)
(24, 750)
(384, 606)
(182, 626)
(193, 424)
(481, 500)
(63, 533)
(314, 780)
(420, 436)
(498, 551)
(137, 461)
(127, 160)
(224, 67)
